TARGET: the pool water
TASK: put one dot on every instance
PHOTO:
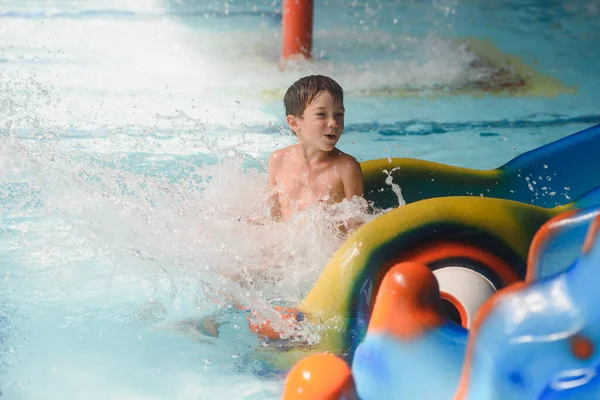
(133, 141)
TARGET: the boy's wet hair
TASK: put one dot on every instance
(306, 89)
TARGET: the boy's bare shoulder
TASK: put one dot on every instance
(280, 155)
(277, 157)
(278, 161)
(348, 162)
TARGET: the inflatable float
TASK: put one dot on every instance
(475, 284)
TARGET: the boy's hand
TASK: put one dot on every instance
(349, 225)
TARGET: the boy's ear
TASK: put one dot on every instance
(292, 121)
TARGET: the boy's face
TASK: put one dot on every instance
(322, 123)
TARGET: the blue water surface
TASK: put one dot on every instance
(117, 119)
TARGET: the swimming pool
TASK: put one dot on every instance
(133, 135)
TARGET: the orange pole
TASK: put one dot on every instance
(297, 28)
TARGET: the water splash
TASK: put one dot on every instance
(395, 187)
(180, 228)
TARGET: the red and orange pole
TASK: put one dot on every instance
(297, 24)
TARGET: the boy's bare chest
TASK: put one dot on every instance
(311, 186)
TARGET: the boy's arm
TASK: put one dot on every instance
(273, 204)
(352, 179)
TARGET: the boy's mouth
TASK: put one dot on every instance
(331, 137)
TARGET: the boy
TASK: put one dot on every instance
(313, 170)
